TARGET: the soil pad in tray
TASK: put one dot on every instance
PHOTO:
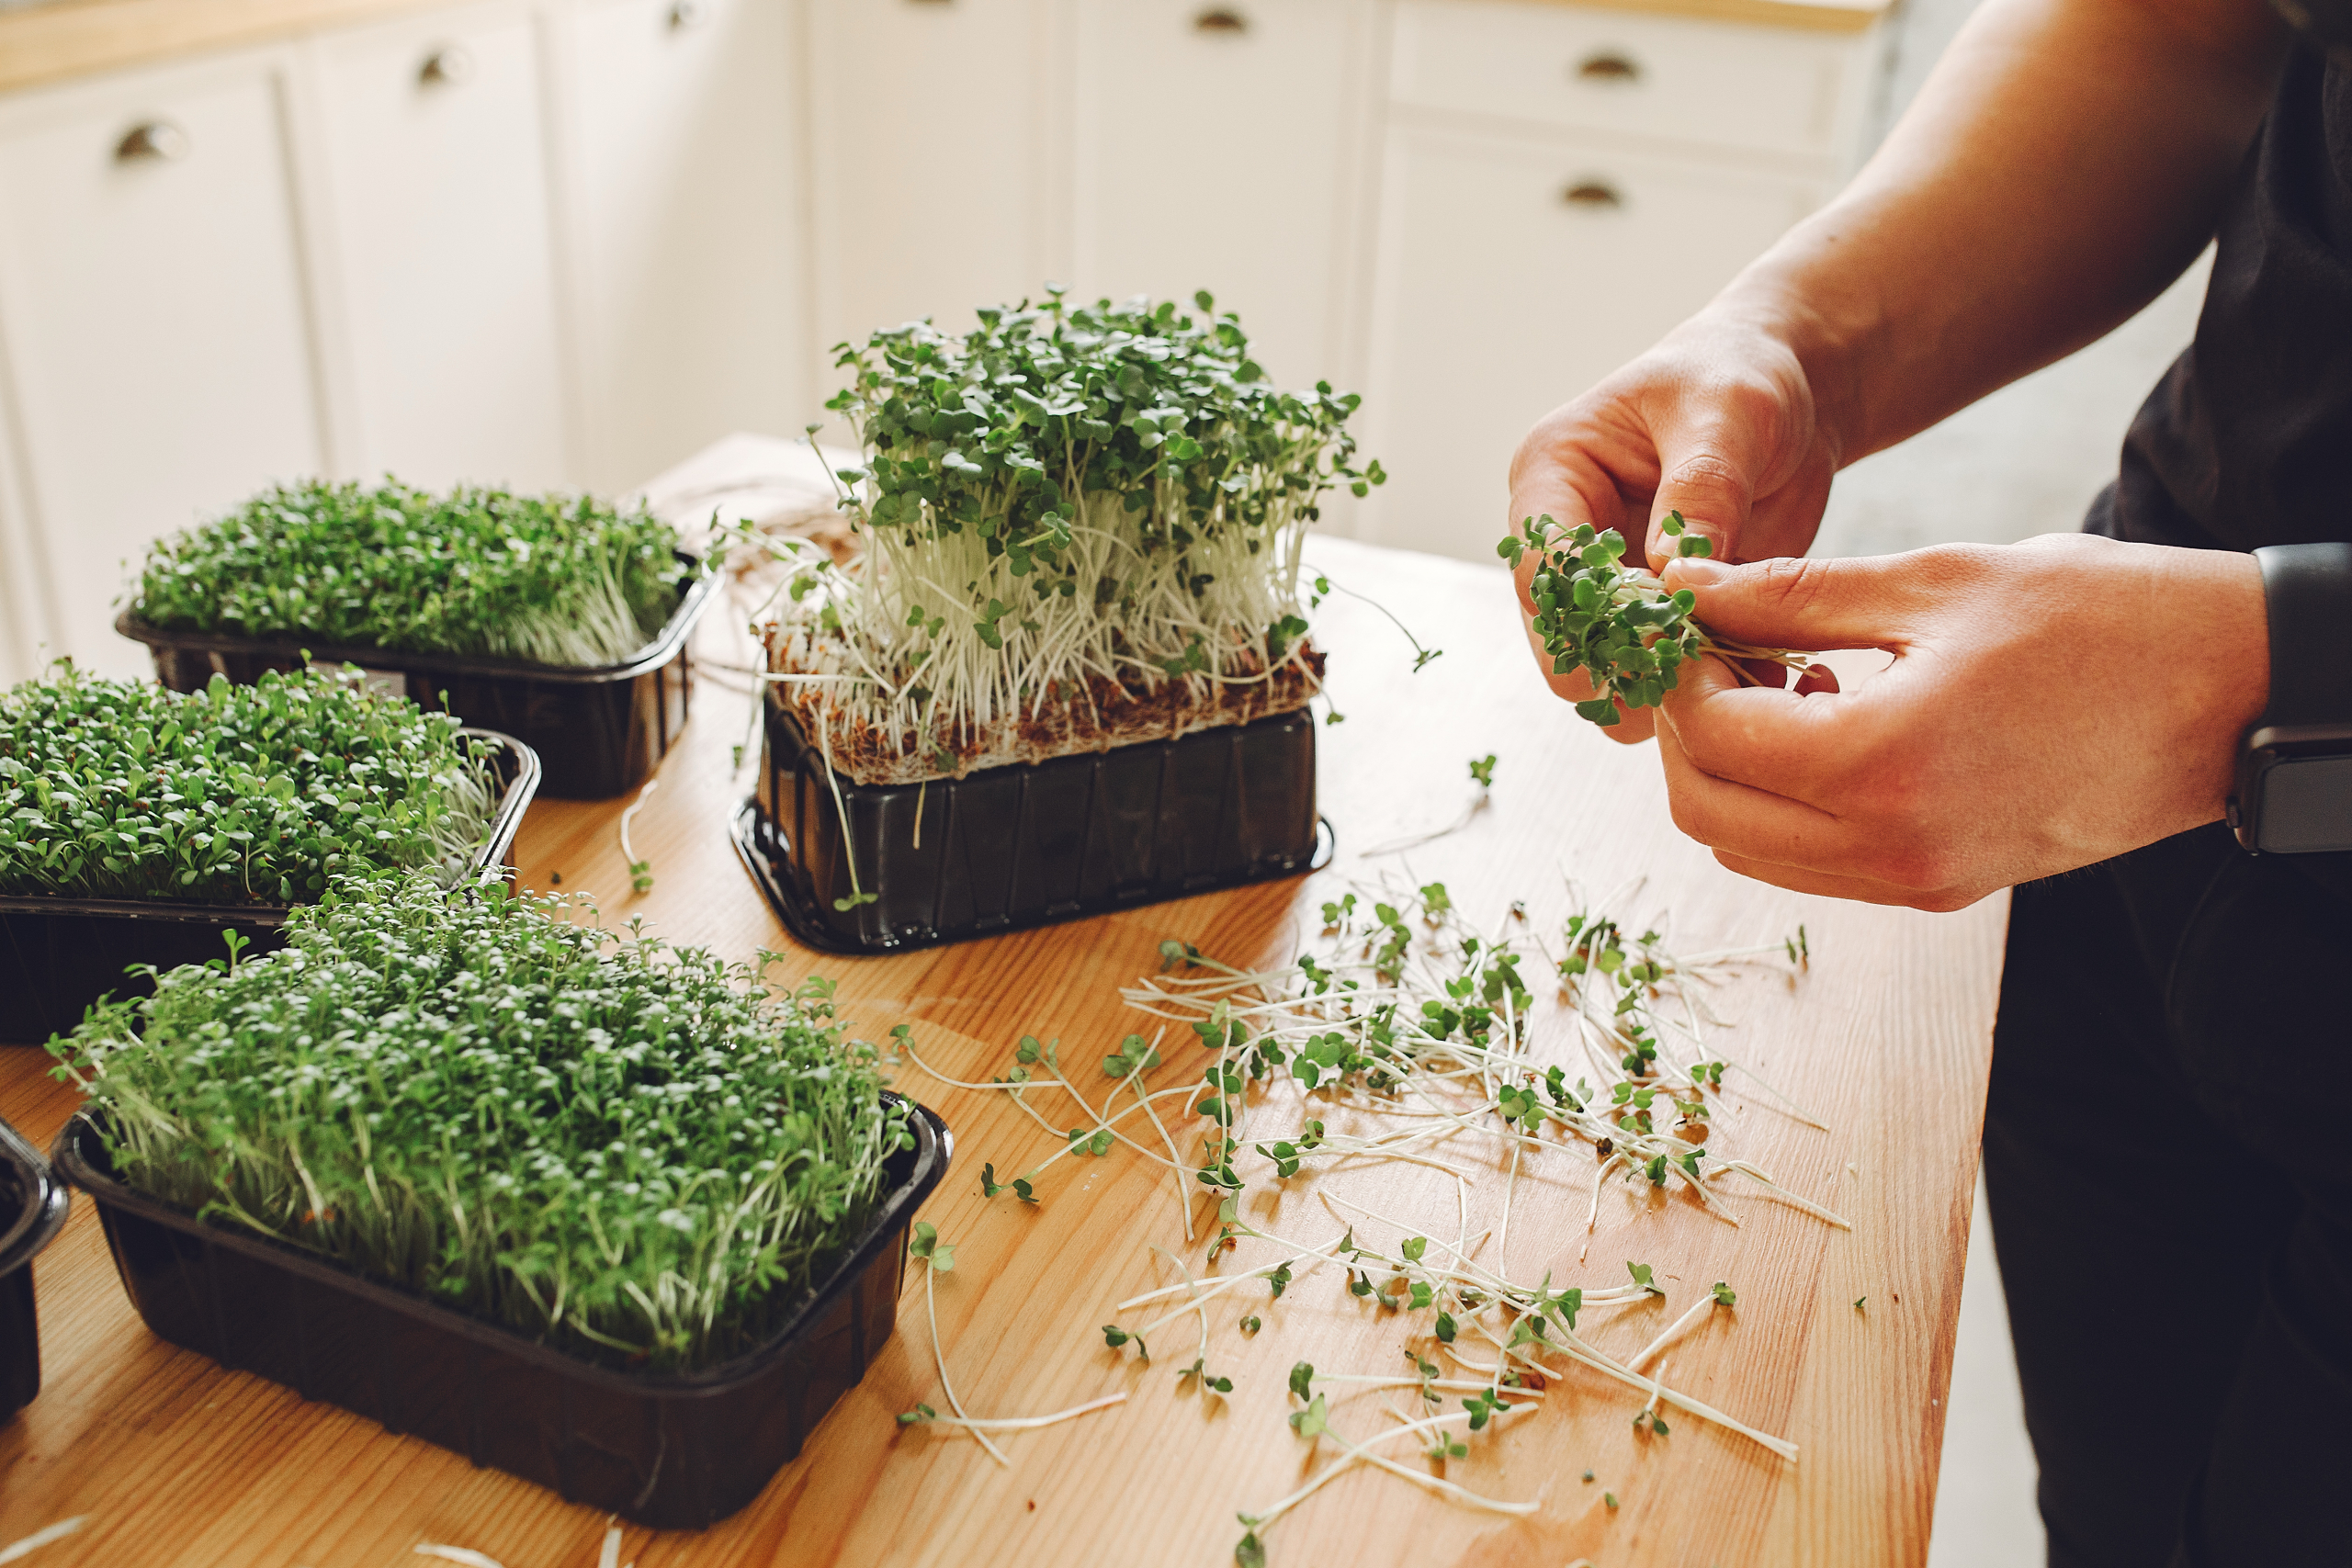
(32, 1208)
(671, 1451)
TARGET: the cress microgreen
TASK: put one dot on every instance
(638, 1152)
(555, 580)
(123, 789)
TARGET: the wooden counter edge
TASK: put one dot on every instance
(62, 40)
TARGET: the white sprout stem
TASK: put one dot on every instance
(465, 1554)
(1355, 1451)
(938, 1357)
(1027, 1423)
(1230, 1280)
(1673, 1331)
(42, 1536)
(628, 853)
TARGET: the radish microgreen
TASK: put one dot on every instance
(1618, 624)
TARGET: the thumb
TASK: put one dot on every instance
(1792, 603)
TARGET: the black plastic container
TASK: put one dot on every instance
(676, 1452)
(60, 954)
(598, 731)
(1027, 844)
(32, 1207)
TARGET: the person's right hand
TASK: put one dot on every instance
(1717, 422)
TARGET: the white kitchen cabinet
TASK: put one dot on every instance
(933, 153)
(1220, 144)
(155, 308)
(1514, 272)
(442, 245)
(687, 225)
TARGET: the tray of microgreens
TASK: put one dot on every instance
(138, 823)
(1070, 672)
(561, 620)
(614, 1216)
(33, 1203)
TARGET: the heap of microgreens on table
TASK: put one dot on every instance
(566, 580)
(1063, 499)
(635, 1152)
(1405, 1011)
(121, 789)
(1619, 624)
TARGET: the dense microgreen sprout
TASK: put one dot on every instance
(1617, 623)
(122, 789)
(635, 1152)
(568, 581)
(1066, 506)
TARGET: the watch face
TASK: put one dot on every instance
(2307, 805)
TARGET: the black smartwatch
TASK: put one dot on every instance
(2294, 783)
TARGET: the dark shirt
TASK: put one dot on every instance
(2247, 440)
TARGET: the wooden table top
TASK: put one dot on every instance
(1886, 1040)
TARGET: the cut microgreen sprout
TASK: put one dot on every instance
(938, 1258)
(640, 872)
(1351, 1453)
(1405, 1007)
(1482, 773)
(1618, 624)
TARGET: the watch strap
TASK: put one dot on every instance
(2307, 590)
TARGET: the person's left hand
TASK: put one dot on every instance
(2050, 705)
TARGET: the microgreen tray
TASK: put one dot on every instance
(32, 1207)
(672, 1452)
(599, 731)
(1030, 843)
(60, 954)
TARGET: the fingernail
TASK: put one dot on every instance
(1696, 571)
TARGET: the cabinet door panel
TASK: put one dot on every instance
(929, 120)
(438, 181)
(1514, 275)
(687, 175)
(160, 363)
(1215, 150)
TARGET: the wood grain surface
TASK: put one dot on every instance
(1886, 1040)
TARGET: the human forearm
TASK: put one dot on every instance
(2064, 162)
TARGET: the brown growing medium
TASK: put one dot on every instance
(1107, 714)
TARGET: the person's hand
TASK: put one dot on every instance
(1716, 422)
(2050, 705)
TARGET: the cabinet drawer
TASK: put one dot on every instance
(1715, 84)
(1515, 272)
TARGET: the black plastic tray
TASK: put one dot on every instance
(1031, 843)
(32, 1206)
(599, 731)
(676, 1452)
(60, 954)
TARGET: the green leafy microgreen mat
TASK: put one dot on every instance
(566, 580)
(634, 1150)
(121, 789)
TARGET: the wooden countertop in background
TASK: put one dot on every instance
(65, 38)
(1887, 1040)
